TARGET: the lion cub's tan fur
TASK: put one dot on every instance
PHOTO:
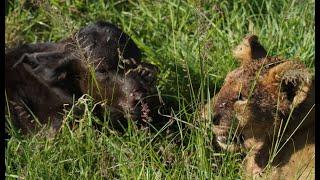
(268, 98)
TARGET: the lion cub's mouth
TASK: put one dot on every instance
(230, 143)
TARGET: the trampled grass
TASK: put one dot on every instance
(191, 42)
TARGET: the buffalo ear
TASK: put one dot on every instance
(29, 59)
(293, 79)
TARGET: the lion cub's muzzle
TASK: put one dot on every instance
(230, 142)
(226, 135)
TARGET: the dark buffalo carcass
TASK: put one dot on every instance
(41, 80)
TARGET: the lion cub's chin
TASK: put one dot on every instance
(236, 145)
(233, 147)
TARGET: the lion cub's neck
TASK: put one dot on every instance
(296, 159)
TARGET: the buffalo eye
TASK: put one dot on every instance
(32, 64)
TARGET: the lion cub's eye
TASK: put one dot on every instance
(239, 97)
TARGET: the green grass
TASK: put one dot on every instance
(191, 42)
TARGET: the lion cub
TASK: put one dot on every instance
(266, 108)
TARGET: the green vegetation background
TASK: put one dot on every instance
(190, 41)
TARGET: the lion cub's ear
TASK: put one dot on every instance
(293, 79)
(249, 49)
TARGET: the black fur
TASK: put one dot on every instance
(44, 77)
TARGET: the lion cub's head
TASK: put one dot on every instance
(256, 97)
